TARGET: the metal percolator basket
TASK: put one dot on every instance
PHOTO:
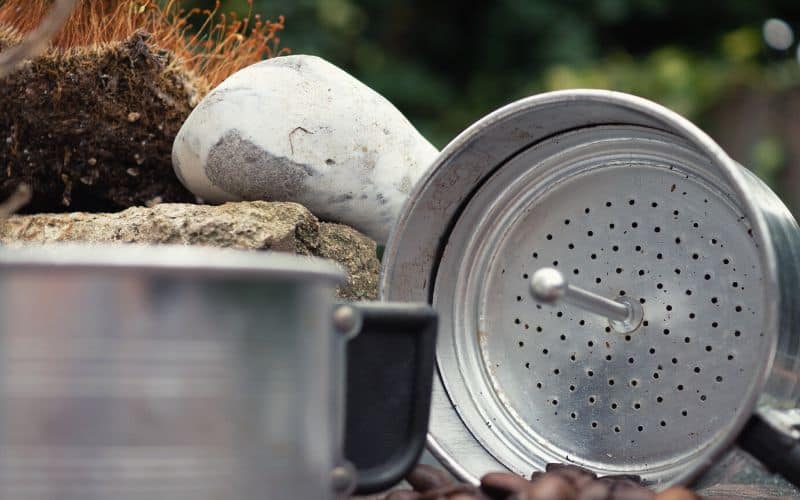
(617, 204)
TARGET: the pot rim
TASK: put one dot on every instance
(167, 260)
(392, 287)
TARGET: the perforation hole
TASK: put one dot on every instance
(605, 260)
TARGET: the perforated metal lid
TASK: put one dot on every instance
(626, 212)
(621, 212)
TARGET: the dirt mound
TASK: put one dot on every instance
(90, 125)
(92, 128)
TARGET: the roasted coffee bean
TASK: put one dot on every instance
(676, 493)
(578, 476)
(596, 490)
(549, 487)
(476, 495)
(447, 491)
(425, 477)
(499, 485)
(402, 495)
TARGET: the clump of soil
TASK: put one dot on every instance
(89, 125)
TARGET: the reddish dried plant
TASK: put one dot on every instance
(221, 45)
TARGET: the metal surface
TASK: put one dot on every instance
(173, 260)
(628, 199)
(168, 373)
(558, 382)
(549, 286)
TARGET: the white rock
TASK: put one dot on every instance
(297, 128)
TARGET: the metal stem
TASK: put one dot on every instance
(548, 285)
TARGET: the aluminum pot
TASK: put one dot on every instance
(643, 212)
(184, 373)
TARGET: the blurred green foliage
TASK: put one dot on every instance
(446, 63)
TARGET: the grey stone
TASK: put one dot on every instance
(235, 163)
(256, 225)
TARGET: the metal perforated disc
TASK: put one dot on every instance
(621, 211)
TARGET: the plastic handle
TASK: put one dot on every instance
(389, 381)
(779, 452)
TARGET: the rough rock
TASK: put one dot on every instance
(298, 128)
(257, 225)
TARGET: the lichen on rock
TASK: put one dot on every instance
(257, 225)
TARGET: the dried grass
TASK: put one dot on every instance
(223, 44)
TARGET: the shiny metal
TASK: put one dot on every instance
(632, 321)
(347, 320)
(638, 203)
(343, 479)
(174, 373)
(548, 285)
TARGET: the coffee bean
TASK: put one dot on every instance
(402, 495)
(499, 485)
(559, 482)
(625, 490)
(467, 496)
(676, 493)
(578, 476)
(445, 492)
(425, 477)
(596, 490)
(549, 487)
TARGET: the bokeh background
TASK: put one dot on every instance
(731, 66)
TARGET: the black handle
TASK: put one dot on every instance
(779, 452)
(389, 377)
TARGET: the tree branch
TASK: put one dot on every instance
(36, 41)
